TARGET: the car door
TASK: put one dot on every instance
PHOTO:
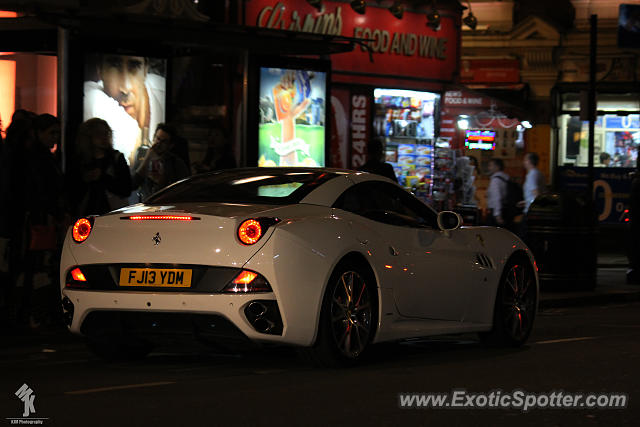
(433, 269)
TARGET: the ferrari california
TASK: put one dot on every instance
(330, 261)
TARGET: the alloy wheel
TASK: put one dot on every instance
(351, 314)
(519, 302)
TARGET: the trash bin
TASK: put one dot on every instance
(469, 213)
(561, 233)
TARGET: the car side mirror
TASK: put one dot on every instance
(449, 221)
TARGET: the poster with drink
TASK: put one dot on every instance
(292, 117)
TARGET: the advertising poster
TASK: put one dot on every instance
(611, 189)
(129, 93)
(340, 129)
(292, 117)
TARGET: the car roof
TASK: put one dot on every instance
(284, 170)
(323, 184)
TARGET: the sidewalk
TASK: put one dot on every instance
(611, 287)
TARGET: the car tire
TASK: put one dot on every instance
(112, 348)
(347, 319)
(515, 306)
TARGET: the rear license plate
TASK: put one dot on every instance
(156, 277)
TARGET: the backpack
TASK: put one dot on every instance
(514, 195)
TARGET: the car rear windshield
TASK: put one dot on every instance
(261, 186)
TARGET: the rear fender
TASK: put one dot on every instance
(298, 269)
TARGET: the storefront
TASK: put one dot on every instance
(616, 142)
(389, 86)
(184, 64)
(481, 127)
(28, 67)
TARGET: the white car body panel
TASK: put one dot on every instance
(428, 281)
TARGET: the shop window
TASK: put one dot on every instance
(205, 106)
(27, 81)
(7, 92)
(617, 132)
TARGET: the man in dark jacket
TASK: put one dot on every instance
(375, 163)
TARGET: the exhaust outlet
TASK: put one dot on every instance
(263, 325)
(256, 309)
(67, 311)
(264, 316)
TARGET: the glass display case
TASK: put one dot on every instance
(406, 119)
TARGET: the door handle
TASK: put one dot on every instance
(393, 251)
(363, 242)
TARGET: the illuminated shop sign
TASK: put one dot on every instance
(397, 46)
(480, 140)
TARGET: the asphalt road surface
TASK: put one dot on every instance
(581, 350)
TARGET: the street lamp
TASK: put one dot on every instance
(463, 122)
(396, 9)
(359, 6)
(315, 3)
(433, 18)
(470, 20)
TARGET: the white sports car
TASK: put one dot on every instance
(327, 260)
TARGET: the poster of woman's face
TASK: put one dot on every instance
(129, 93)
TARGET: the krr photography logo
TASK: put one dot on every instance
(25, 394)
(28, 397)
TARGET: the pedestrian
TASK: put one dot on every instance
(100, 180)
(375, 160)
(534, 183)
(159, 167)
(605, 159)
(5, 231)
(47, 136)
(181, 149)
(496, 194)
(473, 163)
(36, 209)
(13, 211)
(219, 154)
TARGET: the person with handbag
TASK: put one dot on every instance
(35, 196)
(99, 175)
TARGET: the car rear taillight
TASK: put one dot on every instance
(82, 229)
(248, 281)
(76, 279)
(77, 275)
(252, 229)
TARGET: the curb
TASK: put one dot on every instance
(614, 297)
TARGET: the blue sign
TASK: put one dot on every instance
(623, 122)
(611, 189)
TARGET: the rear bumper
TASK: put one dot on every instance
(179, 312)
(166, 328)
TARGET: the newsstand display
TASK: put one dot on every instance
(423, 163)
(442, 186)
